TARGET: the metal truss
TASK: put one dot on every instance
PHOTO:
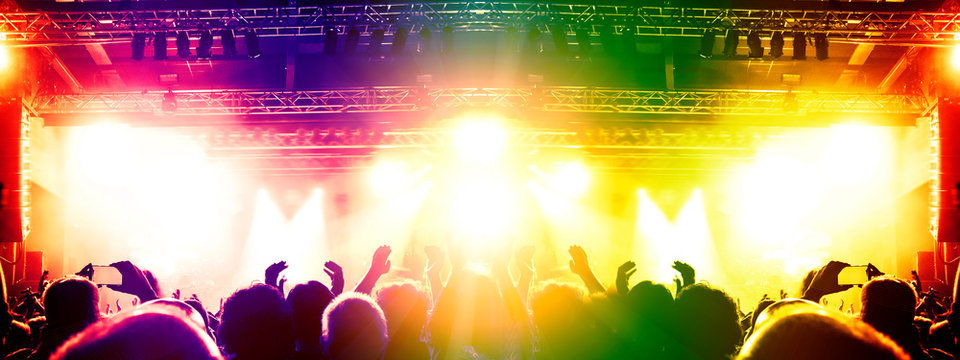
(895, 27)
(549, 99)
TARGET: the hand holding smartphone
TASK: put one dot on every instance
(106, 275)
(853, 275)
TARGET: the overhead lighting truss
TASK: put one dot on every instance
(890, 27)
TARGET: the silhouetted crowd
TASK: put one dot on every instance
(462, 311)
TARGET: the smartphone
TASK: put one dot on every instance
(853, 275)
(106, 275)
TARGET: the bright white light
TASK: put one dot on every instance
(480, 141)
(853, 155)
(4, 57)
(687, 239)
(776, 193)
(571, 178)
(389, 178)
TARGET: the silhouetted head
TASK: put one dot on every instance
(354, 328)
(155, 331)
(560, 315)
(182, 308)
(405, 306)
(707, 323)
(71, 302)
(888, 301)
(257, 324)
(308, 302)
(820, 335)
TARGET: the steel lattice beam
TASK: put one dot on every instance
(895, 27)
(548, 99)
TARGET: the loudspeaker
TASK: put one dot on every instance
(947, 172)
(14, 167)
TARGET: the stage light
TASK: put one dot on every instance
(659, 240)
(330, 42)
(376, 42)
(569, 178)
(482, 209)
(854, 154)
(423, 46)
(480, 141)
(583, 42)
(730, 42)
(353, 40)
(756, 47)
(706, 44)
(4, 57)
(169, 104)
(160, 46)
(228, 42)
(204, 45)
(399, 41)
(821, 44)
(629, 41)
(776, 44)
(253, 44)
(799, 46)
(559, 34)
(388, 178)
(137, 46)
(446, 40)
(533, 41)
(955, 57)
(183, 44)
(777, 193)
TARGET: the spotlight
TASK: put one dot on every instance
(353, 40)
(756, 48)
(446, 41)
(559, 34)
(376, 42)
(571, 179)
(607, 40)
(821, 44)
(776, 44)
(229, 42)
(399, 41)
(706, 44)
(183, 44)
(533, 41)
(480, 141)
(629, 42)
(583, 42)
(169, 104)
(799, 46)
(253, 44)
(137, 46)
(389, 178)
(160, 46)
(330, 42)
(204, 45)
(425, 38)
(730, 42)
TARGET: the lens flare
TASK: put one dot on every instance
(480, 141)
(4, 58)
(571, 178)
(955, 57)
(390, 179)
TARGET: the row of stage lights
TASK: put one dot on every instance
(732, 39)
(251, 40)
(352, 41)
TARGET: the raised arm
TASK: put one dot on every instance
(581, 266)
(825, 282)
(527, 271)
(378, 267)
(434, 263)
(335, 272)
(623, 276)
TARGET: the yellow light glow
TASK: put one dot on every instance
(571, 178)
(955, 57)
(688, 239)
(776, 193)
(481, 141)
(389, 178)
(854, 154)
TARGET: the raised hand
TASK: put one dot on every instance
(133, 282)
(381, 260)
(687, 273)
(272, 274)
(335, 272)
(86, 272)
(578, 264)
(525, 258)
(825, 281)
(176, 294)
(873, 272)
(623, 276)
(581, 266)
